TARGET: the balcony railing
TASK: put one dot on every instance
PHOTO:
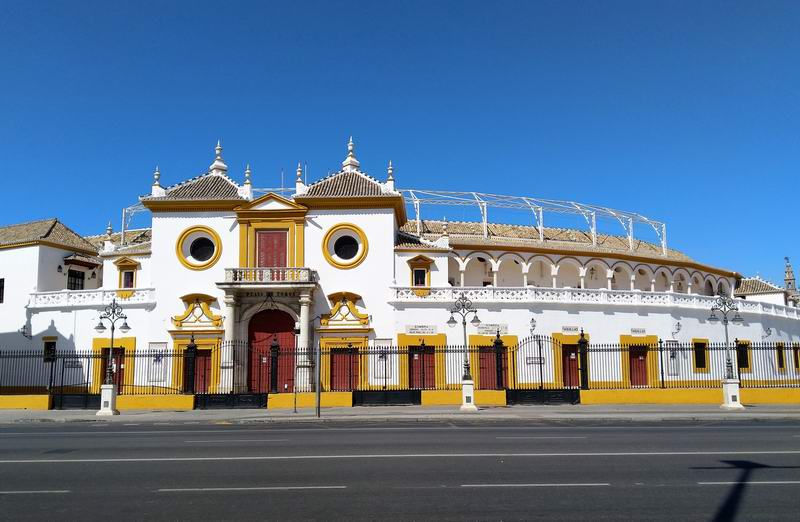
(266, 275)
(92, 298)
(531, 294)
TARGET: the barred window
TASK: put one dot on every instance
(75, 280)
(781, 357)
(2, 289)
(700, 360)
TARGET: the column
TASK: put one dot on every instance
(304, 358)
(494, 278)
(462, 277)
(226, 370)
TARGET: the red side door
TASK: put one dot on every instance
(118, 367)
(271, 248)
(344, 369)
(422, 367)
(638, 365)
(202, 371)
(569, 356)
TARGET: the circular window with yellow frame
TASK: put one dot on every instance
(345, 246)
(198, 247)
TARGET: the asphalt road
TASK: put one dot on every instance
(410, 471)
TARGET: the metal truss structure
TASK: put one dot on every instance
(537, 206)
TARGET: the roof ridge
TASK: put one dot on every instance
(340, 172)
(28, 222)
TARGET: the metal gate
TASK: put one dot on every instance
(545, 371)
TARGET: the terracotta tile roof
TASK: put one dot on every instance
(137, 241)
(756, 285)
(209, 186)
(48, 230)
(346, 184)
(81, 259)
(404, 241)
(471, 234)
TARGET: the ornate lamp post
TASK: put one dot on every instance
(108, 392)
(463, 307)
(725, 305)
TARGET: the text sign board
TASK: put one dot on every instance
(492, 329)
(421, 329)
(638, 331)
(534, 360)
(570, 330)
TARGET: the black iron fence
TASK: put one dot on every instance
(535, 363)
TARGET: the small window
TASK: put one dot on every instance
(420, 277)
(202, 249)
(346, 247)
(700, 359)
(127, 279)
(795, 354)
(75, 279)
(781, 357)
(743, 356)
(49, 350)
(2, 289)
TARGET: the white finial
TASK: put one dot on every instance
(299, 171)
(390, 171)
(247, 175)
(219, 166)
(350, 163)
(156, 177)
(109, 229)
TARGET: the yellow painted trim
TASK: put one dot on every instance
(770, 395)
(347, 300)
(250, 206)
(333, 343)
(155, 402)
(294, 249)
(334, 203)
(203, 344)
(420, 263)
(404, 341)
(510, 341)
(40, 242)
(24, 402)
(286, 401)
(559, 340)
(704, 342)
(192, 302)
(243, 234)
(217, 247)
(453, 397)
(652, 361)
(749, 367)
(128, 344)
(653, 396)
(191, 205)
(356, 260)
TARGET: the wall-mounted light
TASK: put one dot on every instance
(767, 332)
(59, 269)
(676, 329)
(533, 324)
(94, 274)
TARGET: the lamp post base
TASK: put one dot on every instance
(468, 396)
(730, 395)
(108, 400)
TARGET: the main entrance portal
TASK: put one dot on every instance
(272, 352)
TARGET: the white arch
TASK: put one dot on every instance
(248, 311)
(644, 281)
(681, 288)
(623, 276)
(600, 278)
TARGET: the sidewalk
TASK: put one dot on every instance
(533, 414)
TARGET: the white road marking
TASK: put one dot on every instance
(398, 456)
(533, 485)
(33, 492)
(540, 437)
(255, 488)
(235, 440)
(753, 482)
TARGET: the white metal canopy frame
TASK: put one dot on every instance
(483, 201)
(537, 206)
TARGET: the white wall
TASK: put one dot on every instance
(19, 268)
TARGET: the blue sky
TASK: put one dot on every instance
(687, 112)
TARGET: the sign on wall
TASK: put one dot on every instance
(492, 328)
(570, 330)
(638, 331)
(421, 329)
(534, 360)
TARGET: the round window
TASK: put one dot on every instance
(202, 249)
(346, 247)
(198, 248)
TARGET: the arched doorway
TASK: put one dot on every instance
(272, 352)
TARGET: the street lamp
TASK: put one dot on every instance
(463, 307)
(108, 395)
(725, 305)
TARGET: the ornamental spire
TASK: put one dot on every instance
(390, 176)
(219, 166)
(156, 177)
(350, 163)
(789, 281)
(247, 174)
(109, 230)
(299, 171)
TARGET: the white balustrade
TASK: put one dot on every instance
(268, 275)
(92, 298)
(533, 294)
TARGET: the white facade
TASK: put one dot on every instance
(564, 289)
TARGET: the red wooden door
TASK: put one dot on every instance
(117, 366)
(264, 327)
(569, 356)
(422, 367)
(271, 248)
(487, 376)
(202, 371)
(344, 369)
(638, 365)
